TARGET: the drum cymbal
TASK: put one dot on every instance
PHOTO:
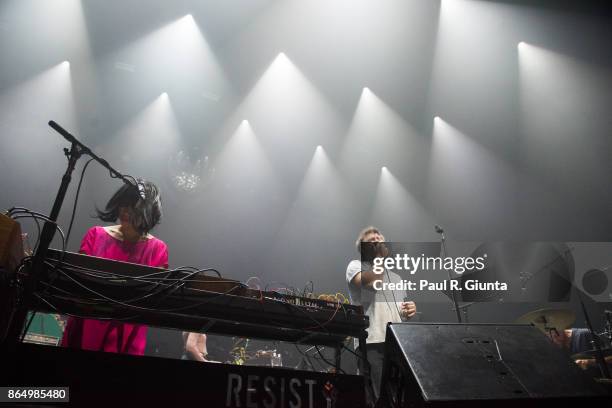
(549, 319)
(591, 354)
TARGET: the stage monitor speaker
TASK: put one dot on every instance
(474, 365)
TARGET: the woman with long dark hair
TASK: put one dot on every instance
(137, 208)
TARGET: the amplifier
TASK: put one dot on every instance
(441, 365)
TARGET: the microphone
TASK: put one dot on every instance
(85, 150)
(438, 229)
(65, 133)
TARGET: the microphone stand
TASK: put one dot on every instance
(305, 361)
(19, 313)
(450, 278)
(464, 308)
(599, 357)
(608, 325)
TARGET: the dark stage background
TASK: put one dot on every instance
(520, 149)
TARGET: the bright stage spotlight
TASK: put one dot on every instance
(254, 177)
(150, 136)
(283, 91)
(24, 109)
(396, 210)
(378, 131)
(193, 64)
(467, 181)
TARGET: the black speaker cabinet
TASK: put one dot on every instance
(478, 365)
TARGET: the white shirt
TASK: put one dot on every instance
(381, 306)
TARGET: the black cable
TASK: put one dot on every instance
(38, 231)
(338, 369)
(34, 215)
(55, 269)
(133, 179)
(177, 284)
(304, 354)
(27, 326)
(68, 293)
(112, 275)
(76, 200)
(14, 210)
(319, 359)
(129, 318)
(83, 286)
(345, 347)
(139, 278)
(122, 303)
(22, 264)
(191, 268)
(21, 210)
(392, 294)
(151, 294)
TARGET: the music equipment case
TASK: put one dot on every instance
(478, 365)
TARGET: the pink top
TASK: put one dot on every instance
(105, 335)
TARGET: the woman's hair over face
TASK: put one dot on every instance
(142, 201)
